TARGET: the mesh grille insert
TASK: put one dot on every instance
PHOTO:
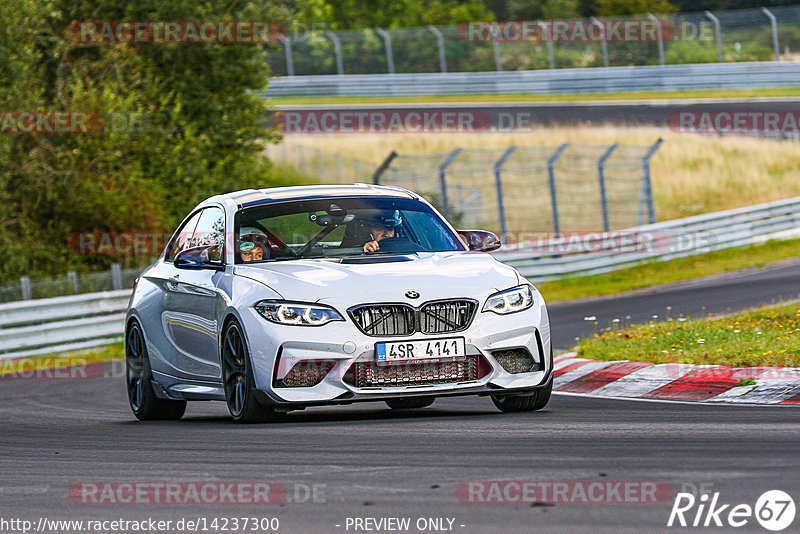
(369, 374)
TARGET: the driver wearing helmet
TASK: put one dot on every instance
(253, 245)
(379, 226)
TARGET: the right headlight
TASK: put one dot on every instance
(511, 300)
(297, 313)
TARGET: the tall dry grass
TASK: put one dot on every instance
(691, 173)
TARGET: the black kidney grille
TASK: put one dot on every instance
(384, 319)
(446, 316)
(402, 319)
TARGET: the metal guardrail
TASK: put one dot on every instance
(666, 240)
(754, 75)
(60, 324)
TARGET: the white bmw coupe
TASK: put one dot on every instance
(280, 299)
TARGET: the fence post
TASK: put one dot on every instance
(387, 43)
(603, 43)
(647, 187)
(287, 47)
(498, 59)
(659, 36)
(774, 24)
(440, 42)
(72, 279)
(376, 176)
(551, 176)
(337, 49)
(717, 34)
(320, 165)
(601, 178)
(443, 180)
(25, 286)
(498, 184)
(551, 59)
(301, 154)
(116, 276)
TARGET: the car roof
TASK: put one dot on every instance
(254, 197)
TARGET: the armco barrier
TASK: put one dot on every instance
(672, 239)
(61, 324)
(752, 75)
(43, 326)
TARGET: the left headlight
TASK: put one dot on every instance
(510, 301)
(297, 313)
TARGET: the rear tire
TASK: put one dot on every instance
(145, 405)
(523, 403)
(410, 403)
(238, 380)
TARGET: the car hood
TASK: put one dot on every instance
(385, 278)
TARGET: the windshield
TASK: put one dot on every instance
(339, 227)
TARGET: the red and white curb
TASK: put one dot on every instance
(676, 381)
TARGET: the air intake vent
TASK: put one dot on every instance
(516, 361)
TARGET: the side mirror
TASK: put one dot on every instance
(197, 258)
(480, 240)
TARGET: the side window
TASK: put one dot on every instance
(182, 238)
(210, 233)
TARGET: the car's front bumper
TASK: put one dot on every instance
(275, 349)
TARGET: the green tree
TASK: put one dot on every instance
(615, 8)
(544, 10)
(205, 131)
(355, 14)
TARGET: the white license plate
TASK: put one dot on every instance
(425, 349)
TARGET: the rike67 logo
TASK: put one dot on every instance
(774, 510)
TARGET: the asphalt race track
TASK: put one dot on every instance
(366, 461)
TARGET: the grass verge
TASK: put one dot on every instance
(763, 337)
(570, 97)
(655, 273)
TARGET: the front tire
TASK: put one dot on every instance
(238, 380)
(145, 405)
(524, 403)
(411, 403)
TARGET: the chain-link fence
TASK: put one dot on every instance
(326, 166)
(570, 187)
(71, 283)
(685, 38)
